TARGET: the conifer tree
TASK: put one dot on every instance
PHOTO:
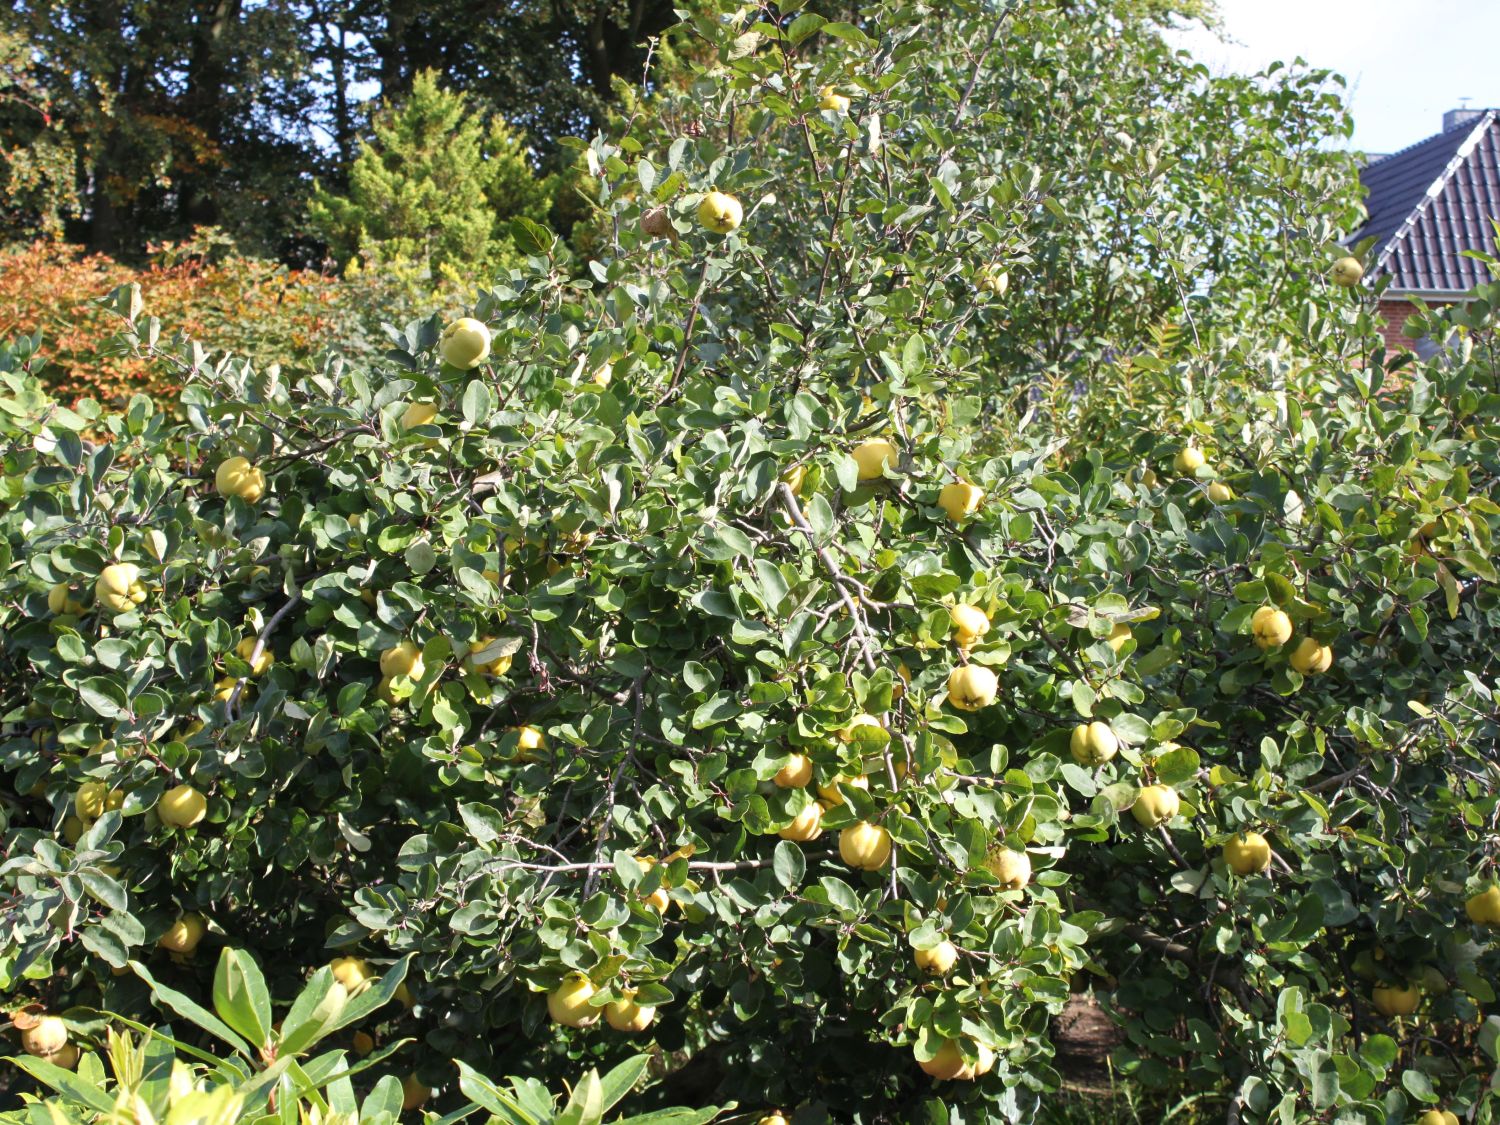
(437, 185)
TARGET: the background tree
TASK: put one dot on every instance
(547, 65)
(437, 185)
(37, 188)
(179, 113)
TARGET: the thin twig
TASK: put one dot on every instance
(687, 332)
(608, 802)
(260, 646)
(789, 502)
(594, 866)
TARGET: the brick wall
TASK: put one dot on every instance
(1395, 314)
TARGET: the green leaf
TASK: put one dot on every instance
(383, 1103)
(1251, 593)
(1450, 590)
(1309, 919)
(456, 1116)
(488, 1096)
(483, 823)
(839, 894)
(1419, 1086)
(240, 996)
(478, 402)
(104, 942)
(1131, 729)
(699, 677)
(849, 33)
(1176, 766)
(820, 516)
(1154, 661)
(914, 355)
(788, 864)
(105, 697)
(309, 1077)
(340, 1095)
(1325, 1080)
(163, 1034)
(803, 26)
(615, 1085)
(721, 708)
(1475, 985)
(258, 1089)
(1298, 1027)
(530, 237)
(379, 994)
(107, 890)
(420, 557)
(773, 585)
(191, 1010)
(312, 1013)
(1282, 592)
(72, 1088)
(1478, 564)
(1379, 1051)
(1119, 796)
(586, 1105)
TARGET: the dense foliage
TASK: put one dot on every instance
(859, 615)
(38, 185)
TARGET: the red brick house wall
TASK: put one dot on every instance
(1395, 314)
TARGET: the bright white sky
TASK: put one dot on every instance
(1405, 61)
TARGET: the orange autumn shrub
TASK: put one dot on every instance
(47, 287)
(261, 310)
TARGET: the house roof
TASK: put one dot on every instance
(1429, 203)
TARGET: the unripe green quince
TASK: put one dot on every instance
(465, 343)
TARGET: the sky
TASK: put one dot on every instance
(1405, 61)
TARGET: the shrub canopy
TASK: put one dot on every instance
(643, 559)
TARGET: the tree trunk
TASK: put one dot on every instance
(333, 37)
(203, 105)
(106, 226)
(392, 49)
(343, 119)
(611, 49)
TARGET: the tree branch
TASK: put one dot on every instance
(260, 646)
(789, 502)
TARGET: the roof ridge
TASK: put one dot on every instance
(1459, 159)
(1469, 124)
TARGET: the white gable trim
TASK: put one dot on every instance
(1435, 189)
(1425, 294)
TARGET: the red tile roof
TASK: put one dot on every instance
(1431, 202)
